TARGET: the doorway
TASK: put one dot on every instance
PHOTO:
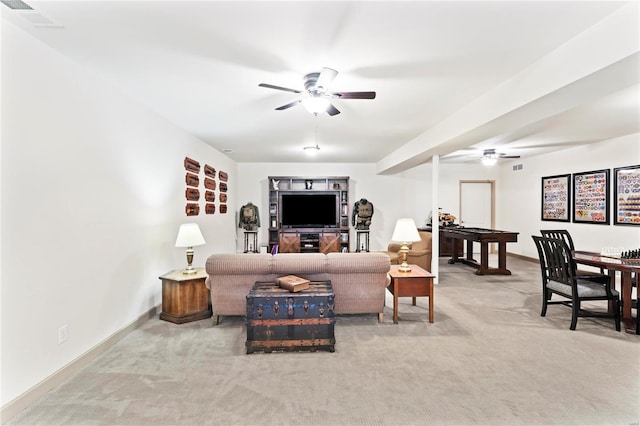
(477, 205)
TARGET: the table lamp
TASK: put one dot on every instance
(189, 235)
(405, 232)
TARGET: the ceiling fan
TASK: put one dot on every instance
(316, 96)
(490, 156)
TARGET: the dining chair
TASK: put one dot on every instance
(563, 234)
(558, 271)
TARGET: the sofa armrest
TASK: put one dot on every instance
(418, 252)
(394, 247)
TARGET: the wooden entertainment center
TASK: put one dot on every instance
(294, 235)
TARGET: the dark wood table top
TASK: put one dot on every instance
(480, 234)
(606, 262)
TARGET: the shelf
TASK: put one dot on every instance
(279, 185)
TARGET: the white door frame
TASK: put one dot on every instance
(492, 203)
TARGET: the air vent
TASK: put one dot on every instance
(517, 167)
(16, 5)
(34, 17)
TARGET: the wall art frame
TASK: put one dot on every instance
(626, 195)
(591, 197)
(556, 198)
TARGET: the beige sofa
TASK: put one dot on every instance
(359, 280)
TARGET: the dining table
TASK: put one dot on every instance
(626, 267)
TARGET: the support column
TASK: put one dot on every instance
(435, 223)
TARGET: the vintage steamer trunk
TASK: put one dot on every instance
(278, 319)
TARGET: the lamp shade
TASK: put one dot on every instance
(189, 235)
(405, 231)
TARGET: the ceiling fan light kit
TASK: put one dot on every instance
(311, 150)
(489, 161)
(317, 99)
(316, 104)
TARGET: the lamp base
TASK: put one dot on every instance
(404, 267)
(190, 269)
(402, 256)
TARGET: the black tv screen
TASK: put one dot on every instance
(309, 210)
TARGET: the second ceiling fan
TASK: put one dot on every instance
(317, 97)
(490, 156)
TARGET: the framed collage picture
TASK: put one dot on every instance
(591, 197)
(626, 195)
(556, 198)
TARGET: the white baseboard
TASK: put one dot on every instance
(36, 392)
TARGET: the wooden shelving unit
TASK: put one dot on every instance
(310, 239)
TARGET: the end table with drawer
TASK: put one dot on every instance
(185, 297)
(415, 283)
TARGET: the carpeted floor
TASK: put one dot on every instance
(488, 359)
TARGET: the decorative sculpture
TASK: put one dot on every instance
(362, 213)
(249, 217)
(445, 219)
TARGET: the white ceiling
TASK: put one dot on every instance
(199, 63)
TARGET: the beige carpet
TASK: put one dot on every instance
(488, 359)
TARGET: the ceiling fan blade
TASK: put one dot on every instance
(289, 105)
(332, 110)
(286, 89)
(354, 95)
(325, 78)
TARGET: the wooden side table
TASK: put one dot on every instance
(415, 283)
(185, 298)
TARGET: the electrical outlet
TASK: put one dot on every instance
(63, 334)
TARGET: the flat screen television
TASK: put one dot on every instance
(309, 210)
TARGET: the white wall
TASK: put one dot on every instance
(520, 195)
(406, 194)
(92, 188)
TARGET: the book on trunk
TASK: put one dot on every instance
(293, 283)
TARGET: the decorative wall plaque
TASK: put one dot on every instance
(192, 180)
(209, 171)
(192, 194)
(556, 197)
(209, 196)
(192, 209)
(591, 197)
(626, 194)
(191, 165)
(209, 183)
(223, 187)
(223, 208)
(223, 197)
(223, 176)
(209, 208)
